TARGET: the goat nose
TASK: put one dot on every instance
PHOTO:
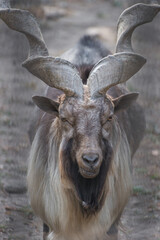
(90, 159)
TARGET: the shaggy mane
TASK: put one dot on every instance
(90, 192)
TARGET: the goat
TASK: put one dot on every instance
(79, 174)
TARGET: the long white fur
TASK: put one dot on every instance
(60, 210)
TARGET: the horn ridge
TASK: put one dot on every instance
(23, 21)
(55, 72)
(121, 66)
(57, 60)
(131, 18)
(112, 70)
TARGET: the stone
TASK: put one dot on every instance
(15, 186)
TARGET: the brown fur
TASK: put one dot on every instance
(69, 203)
(79, 201)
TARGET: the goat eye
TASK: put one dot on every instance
(110, 118)
(65, 121)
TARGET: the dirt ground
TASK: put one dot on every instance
(62, 27)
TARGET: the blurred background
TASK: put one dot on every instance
(62, 24)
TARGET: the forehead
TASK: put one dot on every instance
(76, 107)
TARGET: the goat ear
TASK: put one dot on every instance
(46, 104)
(124, 101)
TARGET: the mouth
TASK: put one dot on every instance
(88, 173)
(88, 182)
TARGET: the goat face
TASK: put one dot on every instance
(87, 126)
(85, 149)
(86, 137)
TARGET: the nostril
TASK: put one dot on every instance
(90, 158)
